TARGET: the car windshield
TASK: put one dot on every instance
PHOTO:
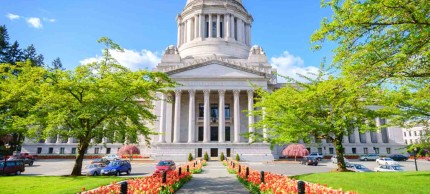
(163, 163)
(115, 164)
(91, 166)
(358, 166)
(388, 159)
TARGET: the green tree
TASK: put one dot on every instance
(384, 41)
(101, 99)
(190, 157)
(206, 156)
(30, 53)
(57, 64)
(222, 157)
(328, 108)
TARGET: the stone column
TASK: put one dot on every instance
(177, 121)
(379, 132)
(239, 30)
(368, 138)
(179, 34)
(218, 26)
(202, 25)
(250, 117)
(196, 26)
(185, 32)
(232, 26)
(189, 30)
(58, 139)
(249, 34)
(210, 26)
(162, 120)
(264, 128)
(236, 116)
(221, 128)
(206, 121)
(228, 26)
(70, 140)
(357, 136)
(191, 117)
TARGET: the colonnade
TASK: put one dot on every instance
(206, 116)
(227, 26)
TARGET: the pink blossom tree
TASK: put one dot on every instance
(295, 150)
(128, 150)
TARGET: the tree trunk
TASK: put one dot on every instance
(77, 169)
(341, 167)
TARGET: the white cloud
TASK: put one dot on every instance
(12, 16)
(35, 22)
(290, 65)
(134, 60)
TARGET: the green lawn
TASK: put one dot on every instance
(51, 184)
(380, 182)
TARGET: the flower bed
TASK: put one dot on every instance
(65, 156)
(153, 183)
(275, 183)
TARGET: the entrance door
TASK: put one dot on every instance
(199, 152)
(214, 152)
(227, 134)
(214, 133)
(200, 135)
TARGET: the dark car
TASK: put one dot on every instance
(12, 167)
(26, 160)
(165, 166)
(398, 157)
(309, 161)
(100, 161)
(117, 167)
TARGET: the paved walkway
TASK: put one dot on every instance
(213, 179)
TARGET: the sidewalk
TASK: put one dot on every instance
(213, 179)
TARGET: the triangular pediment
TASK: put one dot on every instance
(215, 70)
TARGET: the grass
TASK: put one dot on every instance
(368, 183)
(51, 184)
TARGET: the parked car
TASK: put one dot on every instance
(316, 155)
(388, 168)
(165, 166)
(112, 157)
(388, 161)
(309, 161)
(27, 155)
(93, 169)
(357, 168)
(367, 157)
(427, 158)
(117, 167)
(26, 160)
(12, 167)
(334, 159)
(399, 157)
(100, 161)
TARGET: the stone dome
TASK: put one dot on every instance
(189, 1)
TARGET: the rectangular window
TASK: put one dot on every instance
(207, 29)
(388, 150)
(227, 111)
(73, 150)
(200, 135)
(227, 134)
(62, 150)
(108, 150)
(365, 151)
(228, 152)
(51, 150)
(199, 152)
(421, 133)
(410, 133)
(351, 138)
(406, 141)
(362, 137)
(373, 137)
(376, 150)
(201, 110)
(331, 151)
(404, 133)
(214, 152)
(221, 28)
(39, 150)
(214, 29)
(415, 133)
(214, 133)
(354, 150)
(410, 141)
(235, 29)
(214, 112)
(384, 134)
(96, 150)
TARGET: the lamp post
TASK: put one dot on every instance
(415, 158)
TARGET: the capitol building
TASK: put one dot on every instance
(217, 67)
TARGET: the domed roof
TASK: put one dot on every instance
(189, 1)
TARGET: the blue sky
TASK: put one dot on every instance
(69, 29)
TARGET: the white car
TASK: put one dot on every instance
(112, 157)
(388, 168)
(388, 161)
(334, 159)
(357, 168)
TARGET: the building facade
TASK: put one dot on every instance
(217, 70)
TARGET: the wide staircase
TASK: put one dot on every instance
(213, 179)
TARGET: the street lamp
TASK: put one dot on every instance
(415, 158)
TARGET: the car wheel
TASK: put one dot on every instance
(31, 164)
(18, 172)
(316, 164)
(96, 173)
(118, 173)
(365, 159)
(128, 171)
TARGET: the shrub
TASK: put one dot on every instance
(206, 156)
(128, 150)
(190, 157)
(222, 157)
(237, 157)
